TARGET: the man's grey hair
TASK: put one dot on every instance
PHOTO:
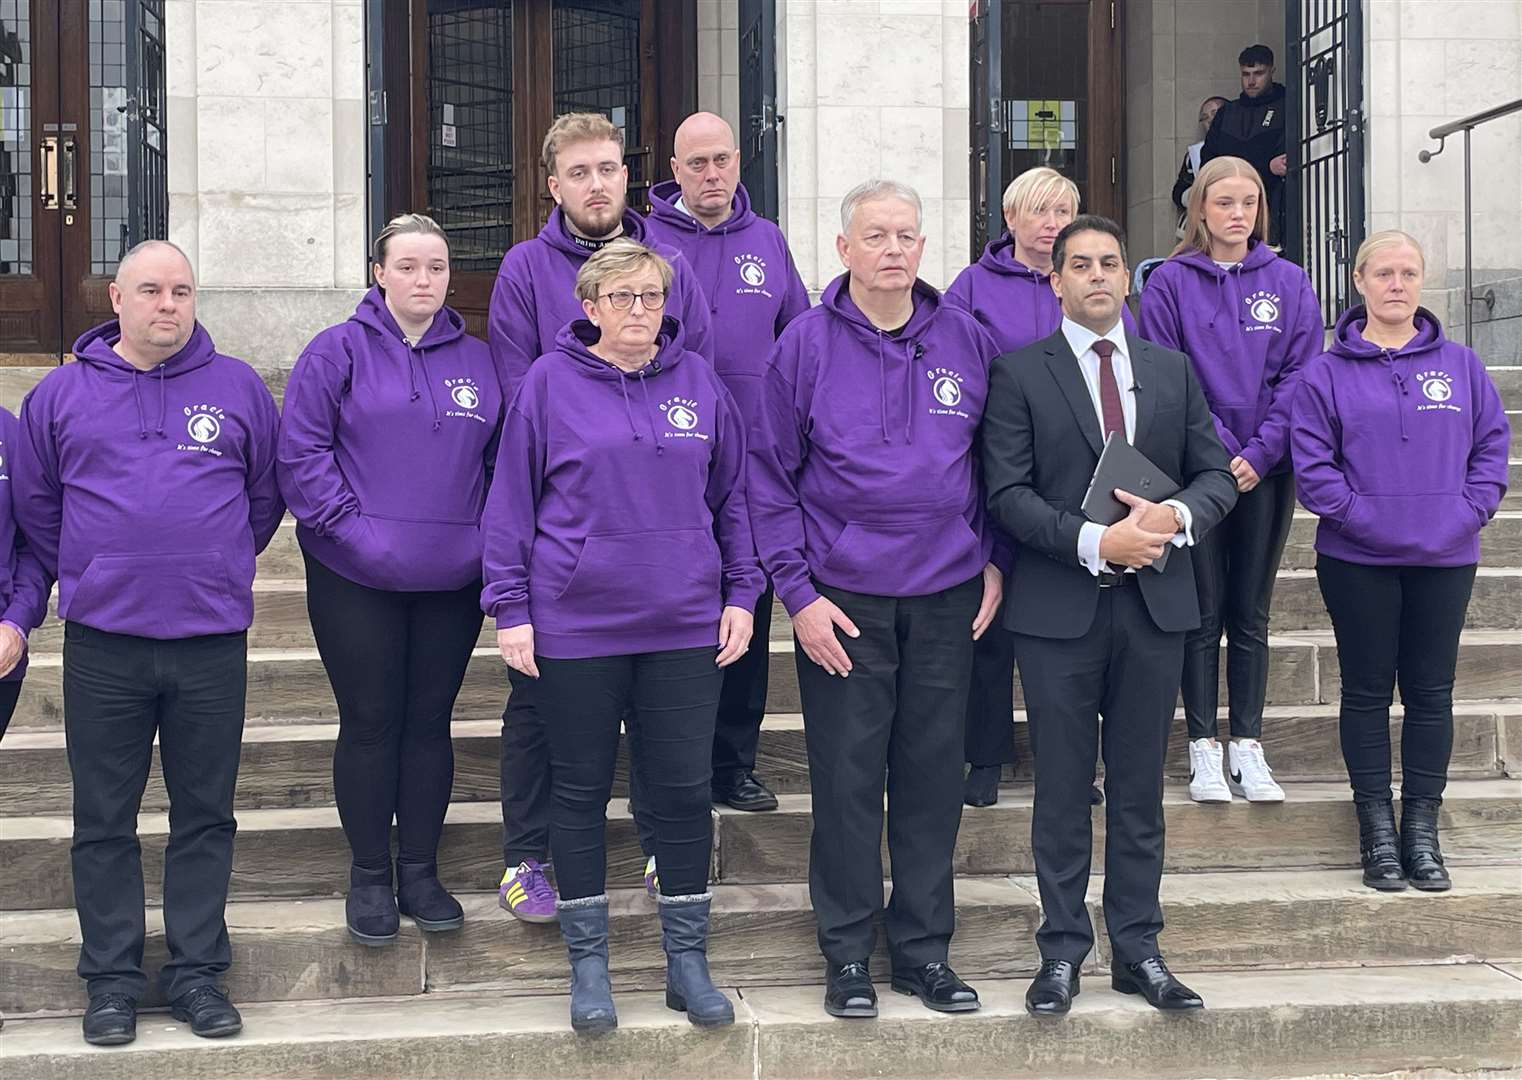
(872, 190)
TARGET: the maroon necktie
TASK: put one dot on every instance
(1109, 391)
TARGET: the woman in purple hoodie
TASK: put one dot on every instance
(386, 446)
(1249, 321)
(620, 569)
(1400, 443)
(24, 585)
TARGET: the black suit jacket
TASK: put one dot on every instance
(1041, 442)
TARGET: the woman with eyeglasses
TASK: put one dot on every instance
(620, 569)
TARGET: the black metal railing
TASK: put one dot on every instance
(1441, 133)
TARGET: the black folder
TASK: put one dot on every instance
(1124, 466)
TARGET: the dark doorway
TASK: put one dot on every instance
(758, 105)
(82, 162)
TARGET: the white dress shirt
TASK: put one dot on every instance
(1081, 340)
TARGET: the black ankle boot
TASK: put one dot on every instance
(1420, 856)
(422, 898)
(370, 909)
(1379, 847)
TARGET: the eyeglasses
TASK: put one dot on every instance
(623, 299)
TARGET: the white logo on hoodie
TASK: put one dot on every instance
(1437, 387)
(203, 424)
(682, 414)
(1263, 307)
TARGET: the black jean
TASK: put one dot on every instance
(991, 700)
(670, 699)
(396, 661)
(742, 702)
(10, 691)
(525, 769)
(119, 691)
(1396, 625)
(897, 720)
(1235, 565)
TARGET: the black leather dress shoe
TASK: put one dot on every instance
(849, 992)
(937, 987)
(1152, 980)
(981, 788)
(207, 1011)
(1052, 991)
(744, 792)
(111, 1020)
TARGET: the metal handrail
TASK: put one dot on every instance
(1441, 133)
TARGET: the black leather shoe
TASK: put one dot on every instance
(1421, 857)
(111, 1020)
(1379, 846)
(1052, 991)
(981, 788)
(207, 1011)
(744, 792)
(937, 987)
(1152, 980)
(849, 992)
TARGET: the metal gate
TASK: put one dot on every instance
(146, 114)
(1325, 192)
(986, 182)
(758, 104)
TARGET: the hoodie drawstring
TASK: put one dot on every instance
(413, 361)
(137, 397)
(623, 385)
(910, 349)
(160, 370)
(142, 422)
(650, 413)
(1402, 391)
(882, 386)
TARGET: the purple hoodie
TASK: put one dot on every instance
(1402, 454)
(616, 523)
(748, 276)
(385, 450)
(535, 297)
(862, 471)
(147, 494)
(24, 584)
(1249, 331)
(1013, 302)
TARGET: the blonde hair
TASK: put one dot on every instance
(574, 128)
(1038, 187)
(403, 225)
(616, 259)
(1196, 235)
(1386, 238)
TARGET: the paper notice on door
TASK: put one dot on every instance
(448, 135)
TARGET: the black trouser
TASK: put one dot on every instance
(1235, 565)
(742, 702)
(1396, 624)
(1125, 670)
(396, 661)
(670, 699)
(525, 766)
(898, 717)
(118, 692)
(10, 691)
(991, 700)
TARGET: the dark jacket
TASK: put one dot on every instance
(1251, 128)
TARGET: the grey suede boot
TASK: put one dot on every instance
(684, 937)
(584, 925)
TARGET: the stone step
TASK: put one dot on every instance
(301, 853)
(291, 765)
(1500, 541)
(1515, 417)
(1508, 380)
(1460, 1017)
(290, 684)
(765, 935)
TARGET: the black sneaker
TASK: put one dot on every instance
(744, 792)
(208, 1012)
(111, 1020)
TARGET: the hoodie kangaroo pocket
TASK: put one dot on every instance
(901, 548)
(667, 576)
(1411, 528)
(152, 592)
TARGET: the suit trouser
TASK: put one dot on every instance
(1125, 670)
(1235, 565)
(991, 700)
(118, 692)
(896, 719)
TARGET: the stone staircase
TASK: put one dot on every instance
(1304, 971)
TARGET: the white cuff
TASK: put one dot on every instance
(1090, 533)
(1186, 537)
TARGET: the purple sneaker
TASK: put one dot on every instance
(525, 893)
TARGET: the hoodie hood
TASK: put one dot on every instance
(557, 233)
(447, 327)
(95, 347)
(576, 342)
(1274, 93)
(663, 208)
(1228, 279)
(999, 257)
(927, 302)
(1348, 340)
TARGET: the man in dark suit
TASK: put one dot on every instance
(1098, 632)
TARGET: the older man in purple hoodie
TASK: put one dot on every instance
(145, 480)
(867, 507)
(753, 290)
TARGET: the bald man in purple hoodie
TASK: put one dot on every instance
(145, 480)
(753, 291)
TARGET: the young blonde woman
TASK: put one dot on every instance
(1249, 321)
(1400, 443)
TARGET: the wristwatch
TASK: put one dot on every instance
(1178, 518)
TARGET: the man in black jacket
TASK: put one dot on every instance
(1098, 632)
(1252, 128)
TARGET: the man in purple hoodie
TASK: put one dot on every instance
(145, 480)
(533, 300)
(867, 507)
(24, 584)
(753, 291)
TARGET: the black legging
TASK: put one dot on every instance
(396, 661)
(671, 699)
(1234, 569)
(10, 691)
(1396, 624)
